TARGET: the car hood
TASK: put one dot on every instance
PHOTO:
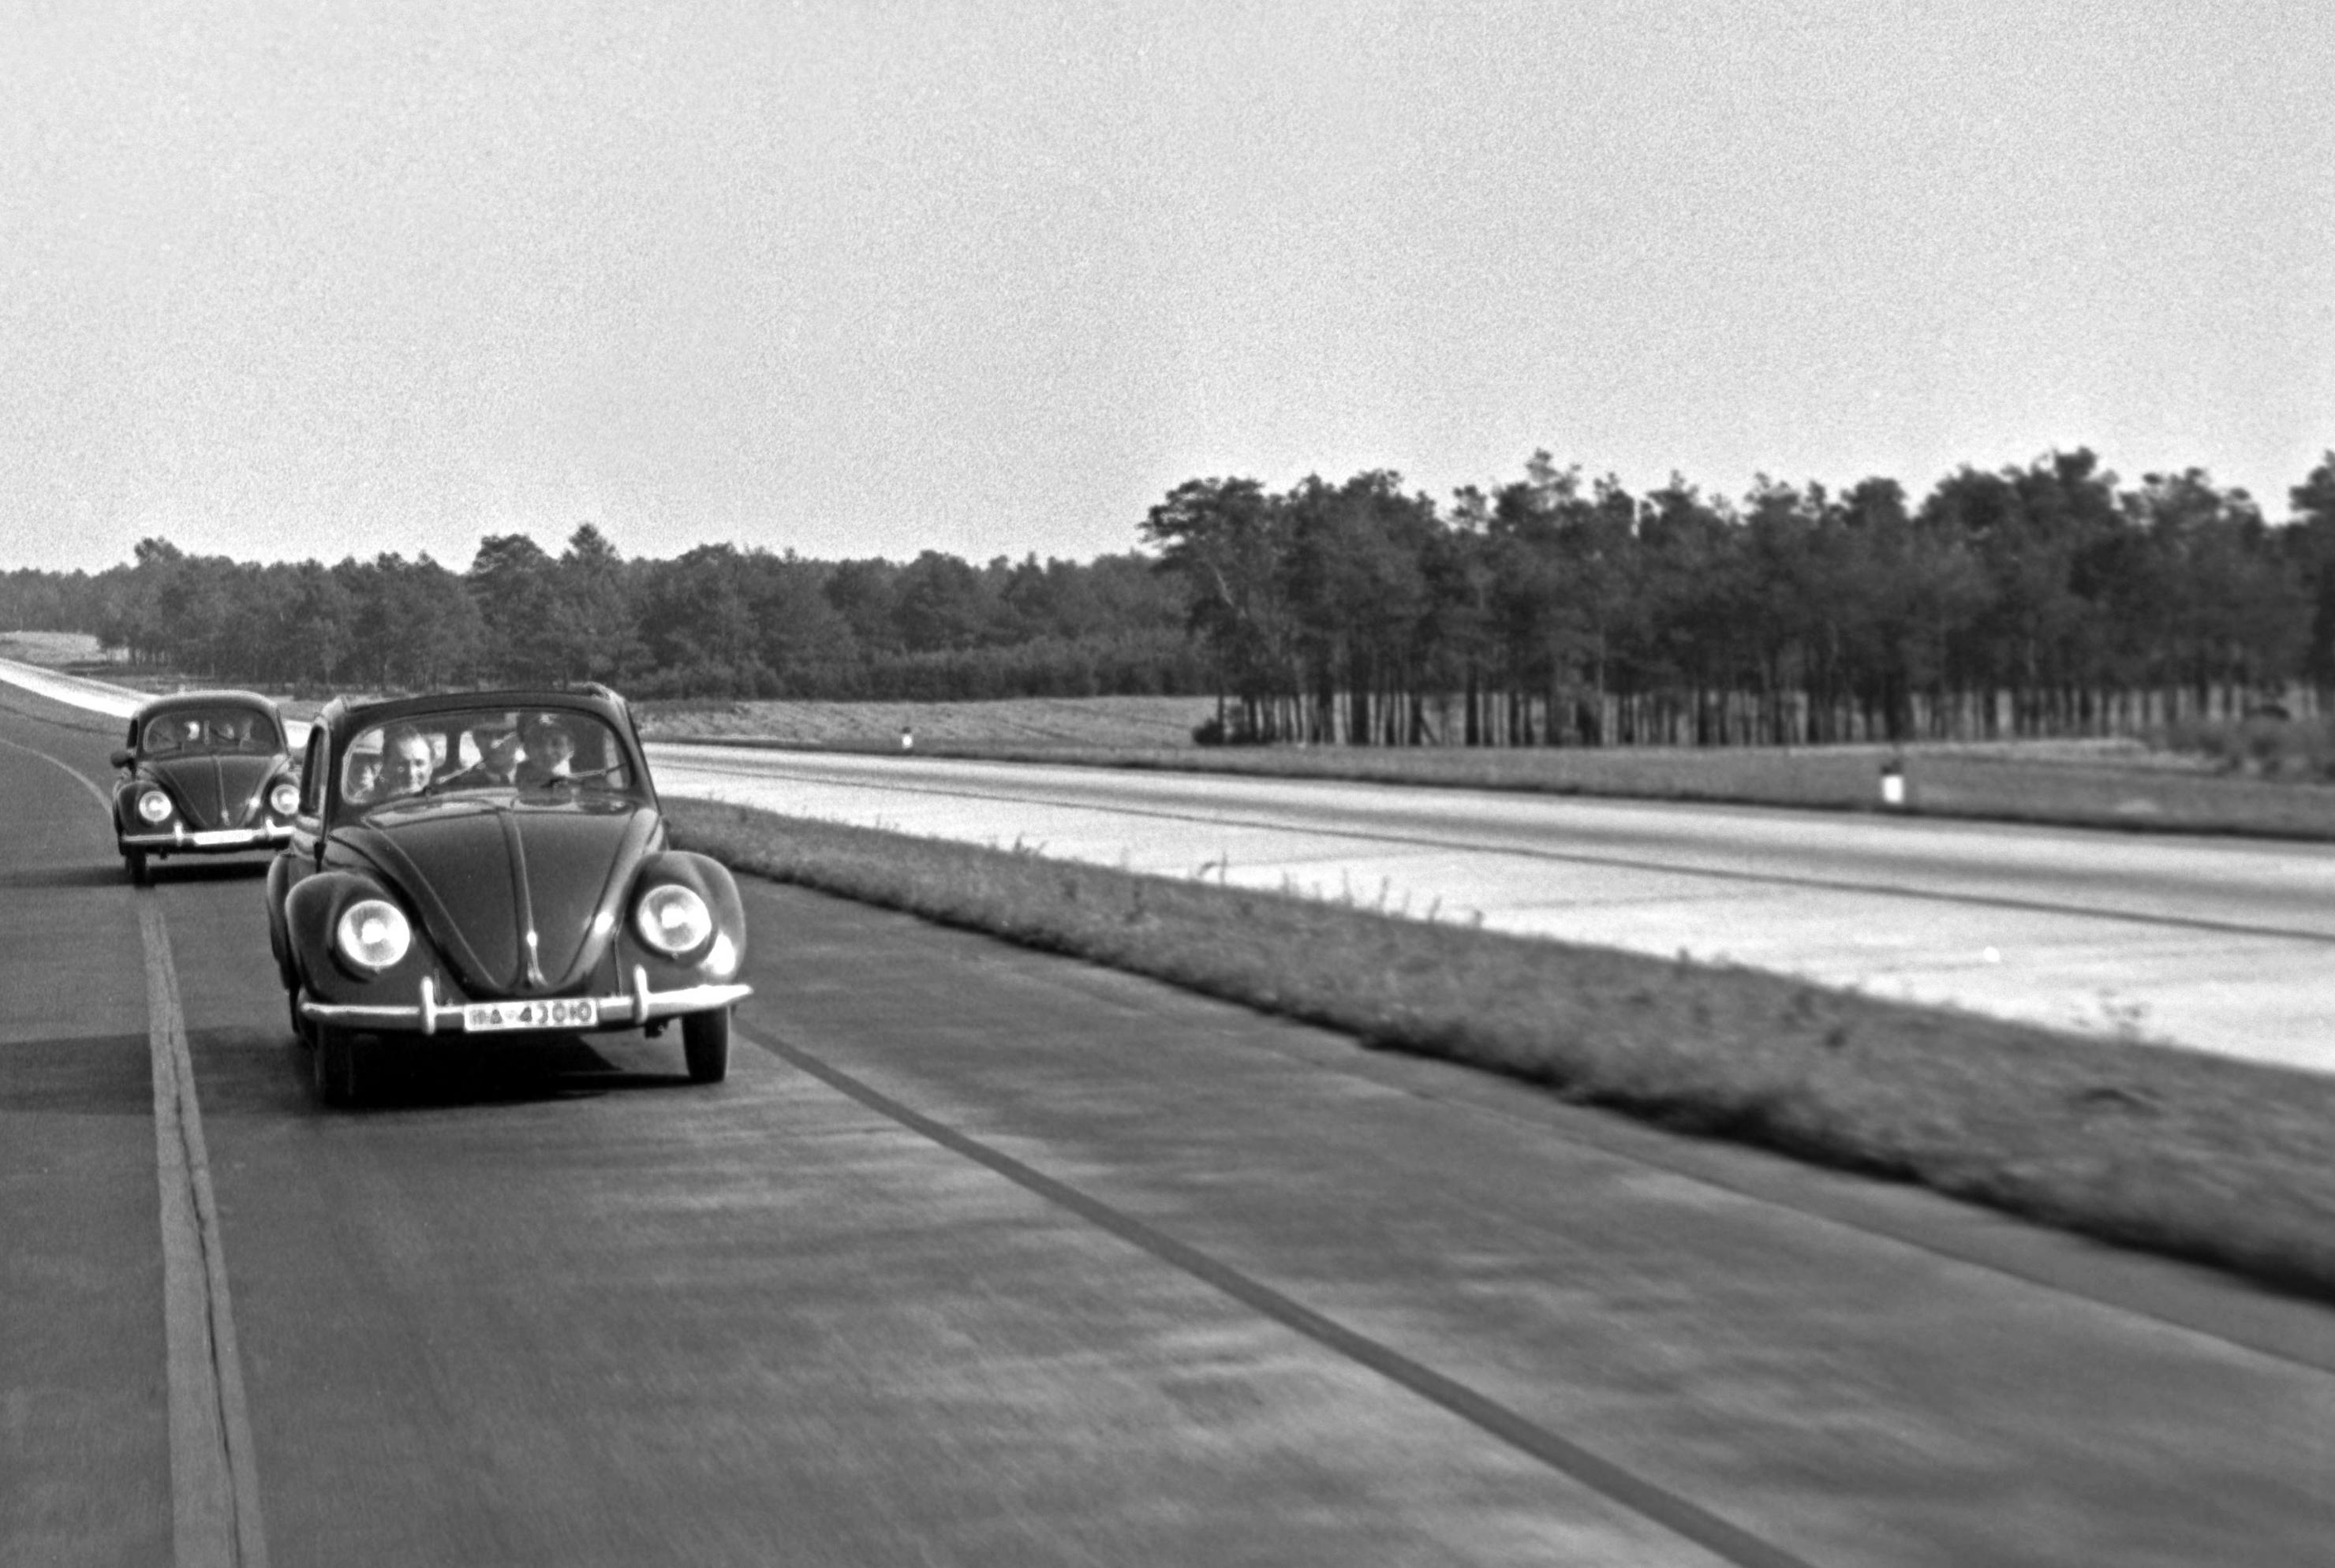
(213, 791)
(518, 899)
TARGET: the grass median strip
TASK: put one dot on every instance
(2217, 1161)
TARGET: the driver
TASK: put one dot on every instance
(552, 753)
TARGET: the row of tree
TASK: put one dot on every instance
(1552, 610)
(716, 622)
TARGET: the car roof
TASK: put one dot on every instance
(341, 715)
(175, 702)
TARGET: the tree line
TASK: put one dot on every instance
(717, 622)
(1556, 610)
(1551, 610)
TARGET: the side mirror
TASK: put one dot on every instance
(123, 756)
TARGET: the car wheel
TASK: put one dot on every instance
(134, 862)
(340, 1062)
(705, 1045)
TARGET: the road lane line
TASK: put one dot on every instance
(214, 1483)
(1647, 1498)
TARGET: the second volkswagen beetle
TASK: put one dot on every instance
(204, 773)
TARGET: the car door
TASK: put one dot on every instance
(307, 850)
(301, 857)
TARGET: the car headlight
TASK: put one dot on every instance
(154, 805)
(373, 934)
(672, 919)
(284, 800)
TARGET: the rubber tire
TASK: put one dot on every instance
(340, 1065)
(134, 862)
(705, 1045)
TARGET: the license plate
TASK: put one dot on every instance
(565, 1012)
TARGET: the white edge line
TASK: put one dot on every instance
(214, 1483)
(214, 1477)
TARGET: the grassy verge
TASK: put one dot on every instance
(2217, 1161)
(1160, 722)
(2275, 748)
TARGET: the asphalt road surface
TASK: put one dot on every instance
(987, 1257)
(2219, 944)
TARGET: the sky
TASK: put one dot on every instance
(282, 281)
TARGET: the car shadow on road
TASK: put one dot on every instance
(247, 1072)
(165, 872)
(435, 1077)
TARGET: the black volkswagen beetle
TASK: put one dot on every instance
(493, 863)
(206, 773)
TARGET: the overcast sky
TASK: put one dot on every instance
(280, 281)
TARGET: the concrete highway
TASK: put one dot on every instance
(987, 1257)
(2219, 944)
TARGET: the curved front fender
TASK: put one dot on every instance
(313, 908)
(712, 881)
(279, 942)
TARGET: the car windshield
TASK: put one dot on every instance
(193, 732)
(519, 754)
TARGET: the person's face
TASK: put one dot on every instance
(364, 775)
(501, 755)
(559, 747)
(409, 770)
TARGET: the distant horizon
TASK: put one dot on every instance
(552, 538)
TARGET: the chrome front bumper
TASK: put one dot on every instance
(178, 838)
(429, 1016)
